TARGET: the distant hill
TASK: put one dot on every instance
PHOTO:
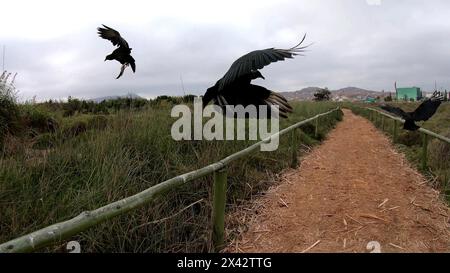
(130, 95)
(343, 94)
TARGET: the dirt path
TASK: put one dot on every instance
(353, 189)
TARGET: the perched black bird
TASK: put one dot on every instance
(234, 88)
(423, 113)
(122, 53)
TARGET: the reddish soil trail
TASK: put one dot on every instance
(353, 189)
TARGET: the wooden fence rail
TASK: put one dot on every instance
(63, 230)
(375, 115)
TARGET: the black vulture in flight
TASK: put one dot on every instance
(234, 88)
(423, 113)
(123, 53)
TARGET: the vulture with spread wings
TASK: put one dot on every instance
(123, 53)
(235, 87)
(423, 113)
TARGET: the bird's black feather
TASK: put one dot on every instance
(426, 110)
(257, 60)
(113, 36)
(235, 87)
(395, 110)
(423, 113)
(122, 54)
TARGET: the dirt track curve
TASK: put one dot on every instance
(352, 190)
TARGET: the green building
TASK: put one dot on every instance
(370, 100)
(409, 93)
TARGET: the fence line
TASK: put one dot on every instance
(425, 133)
(63, 230)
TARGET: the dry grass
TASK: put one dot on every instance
(134, 152)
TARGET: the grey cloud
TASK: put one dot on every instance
(354, 45)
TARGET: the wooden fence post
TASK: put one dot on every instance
(294, 163)
(218, 213)
(395, 133)
(316, 129)
(378, 120)
(424, 151)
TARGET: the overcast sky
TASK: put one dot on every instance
(54, 47)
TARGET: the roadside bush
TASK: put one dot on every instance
(410, 138)
(440, 153)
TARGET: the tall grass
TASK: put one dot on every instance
(9, 111)
(134, 152)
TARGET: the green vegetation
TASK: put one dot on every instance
(90, 160)
(9, 111)
(322, 95)
(410, 143)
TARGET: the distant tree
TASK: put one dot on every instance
(72, 106)
(322, 94)
(388, 98)
(189, 98)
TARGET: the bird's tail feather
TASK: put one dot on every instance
(121, 70)
(277, 99)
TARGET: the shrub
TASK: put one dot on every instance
(77, 128)
(440, 153)
(410, 138)
(9, 111)
(45, 141)
(38, 120)
(97, 122)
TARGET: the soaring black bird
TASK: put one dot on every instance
(423, 113)
(235, 87)
(123, 53)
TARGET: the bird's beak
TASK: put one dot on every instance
(263, 77)
(106, 59)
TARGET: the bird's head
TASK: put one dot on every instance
(109, 58)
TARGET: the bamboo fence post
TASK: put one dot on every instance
(218, 215)
(294, 163)
(395, 133)
(316, 129)
(378, 120)
(424, 151)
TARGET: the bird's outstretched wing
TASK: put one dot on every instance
(258, 59)
(428, 108)
(394, 110)
(112, 35)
